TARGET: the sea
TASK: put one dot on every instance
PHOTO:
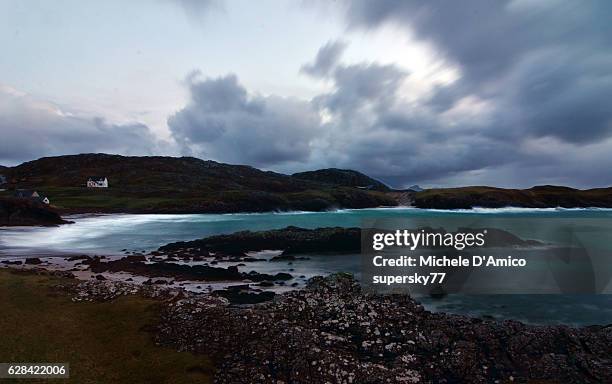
(114, 234)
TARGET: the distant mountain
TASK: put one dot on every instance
(179, 184)
(544, 196)
(342, 177)
(415, 188)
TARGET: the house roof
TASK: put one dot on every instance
(24, 193)
(96, 178)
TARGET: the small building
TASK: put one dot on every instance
(97, 182)
(26, 194)
(34, 195)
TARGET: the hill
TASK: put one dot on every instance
(179, 185)
(342, 177)
(537, 197)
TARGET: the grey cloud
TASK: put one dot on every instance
(31, 129)
(361, 84)
(374, 131)
(223, 122)
(556, 96)
(487, 37)
(326, 60)
(545, 110)
(197, 9)
(547, 62)
(544, 70)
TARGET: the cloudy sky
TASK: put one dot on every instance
(440, 93)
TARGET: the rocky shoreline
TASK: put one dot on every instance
(243, 266)
(332, 331)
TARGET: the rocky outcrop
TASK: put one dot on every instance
(137, 266)
(292, 240)
(295, 241)
(22, 212)
(333, 332)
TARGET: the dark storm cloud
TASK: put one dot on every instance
(371, 128)
(32, 129)
(326, 59)
(530, 106)
(542, 71)
(223, 122)
(550, 62)
(562, 96)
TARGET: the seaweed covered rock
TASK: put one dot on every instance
(334, 332)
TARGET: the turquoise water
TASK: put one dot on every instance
(108, 234)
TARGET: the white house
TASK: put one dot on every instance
(97, 182)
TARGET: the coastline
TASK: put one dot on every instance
(105, 240)
(331, 331)
(269, 326)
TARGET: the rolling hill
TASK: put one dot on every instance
(342, 177)
(179, 185)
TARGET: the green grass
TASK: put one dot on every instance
(102, 342)
(135, 200)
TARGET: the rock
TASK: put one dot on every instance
(100, 277)
(12, 262)
(26, 212)
(33, 260)
(292, 240)
(332, 332)
(136, 265)
(238, 295)
(288, 258)
(135, 258)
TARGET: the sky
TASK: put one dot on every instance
(510, 93)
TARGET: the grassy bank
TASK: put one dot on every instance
(155, 200)
(102, 342)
